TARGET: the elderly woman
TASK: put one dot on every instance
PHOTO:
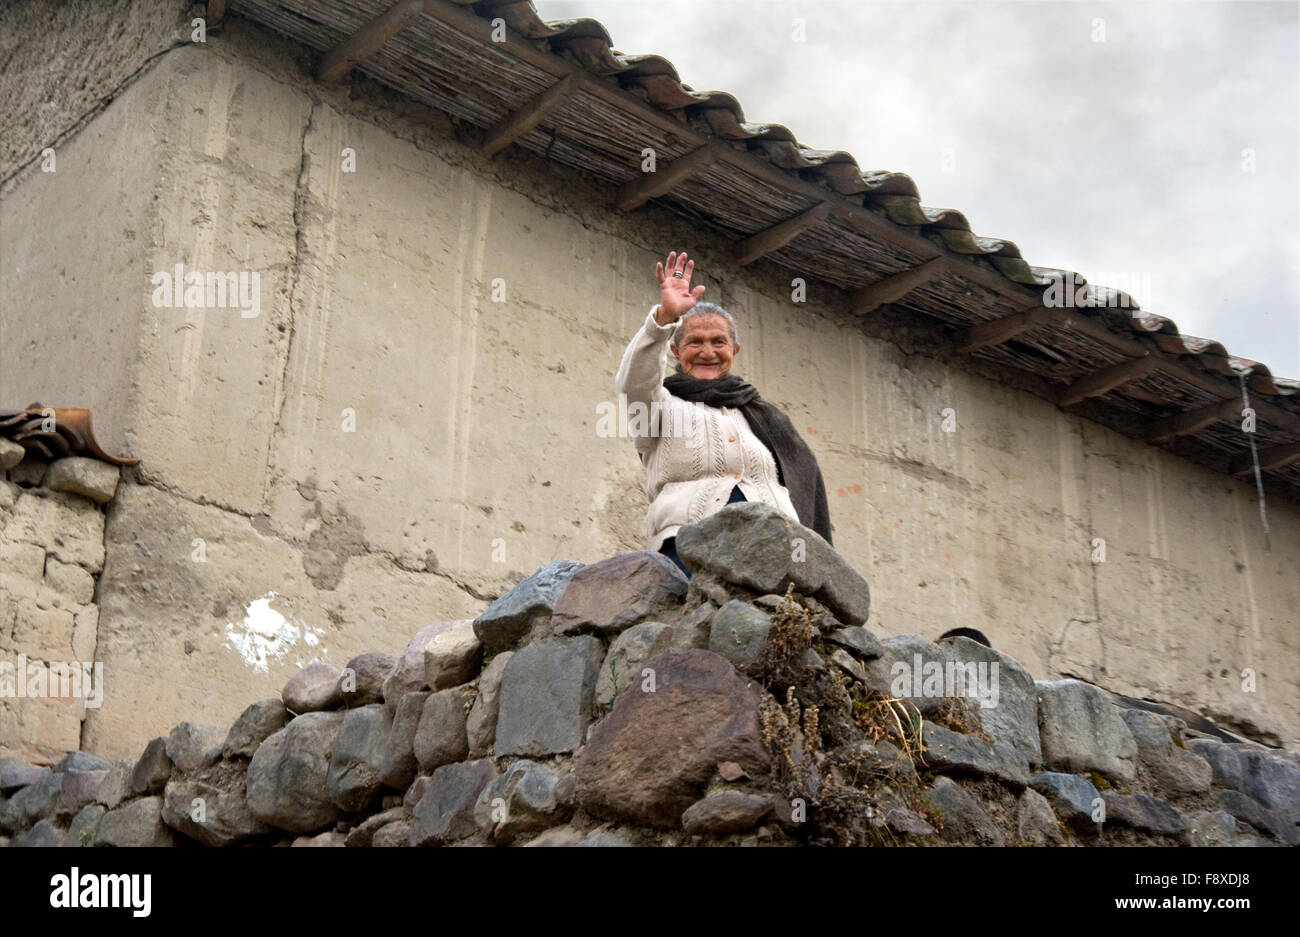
(737, 446)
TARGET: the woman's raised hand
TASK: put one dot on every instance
(675, 294)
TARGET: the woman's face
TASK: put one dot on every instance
(706, 350)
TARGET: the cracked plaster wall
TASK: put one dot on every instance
(475, 459)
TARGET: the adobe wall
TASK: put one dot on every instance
(384, 446)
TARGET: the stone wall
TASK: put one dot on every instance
(384, 446)
(618, 703)
(51, 558)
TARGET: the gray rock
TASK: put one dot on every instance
(315, 688)
(152, 769)
(849, 664)
(44, 834)
(880, 759)
(400, 764)
(1225, 763)
(560, 836)
(1175, 769)
(653, 755)
(210, 815)
(15, 774)
(739, 632)
(1035, 820)
(441, 737)
(610, 596)
(692, 630)
(1004, 694)
(34, 802)
(82, 761)
(357, 759)
(408, 673)
(529, 797)
(1143, 812)
(1273, 782)
(327, 839)
(481, 726)
(902, 821)
(1251, 811)
(254, 726)
(363, 835)
(546, 696)
(604, 839)
(1075, 798)
(79, 789)
(136, 823)
(905, 664)
(964, 820)
(116, 785)
(288, 772)
(397, 833)
(90, 478)
(753, 545)
(81, 831)
(11, 454)
(1082, 730)
(452, 657)
(725, 813)
(445, 811)
(361, 682)
(622, 666)
(1210, 828)
(188, 744)
(955, 752)
(523, 614)
(858, 640)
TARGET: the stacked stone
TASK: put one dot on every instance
(51, 552)
(617, 703)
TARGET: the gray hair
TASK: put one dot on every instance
(704, 309)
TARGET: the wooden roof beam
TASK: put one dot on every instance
(1277, 457)
(779, 235)
(851, 213)
(522, 121)
(664, 179)
(367, 40)
(1193, 421)
(1104, 380)
(997, 331)
(894, 287)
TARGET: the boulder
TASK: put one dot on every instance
(964, 820)
(622, 666)
(739, 632)
(315, 688)
(152, 769)
(452, 657)
(481, 726)
(209, 814)
(440, 738)
(1082, 730)
(445, 811)
(407, 675)
(651, 757)
(288, 773)
(1175, 769)
(189, 742)
(80, 475)
(523, 614)
(754, 545)
(725, 813)
(1143, 812)
(1076, 800)
(254, 726)
(610, 596)
(546, 696)
(357, 758)
(958, 753)
(361, 682)
(527, 798)
(400, 764)
(1036, 821)
(135, 823)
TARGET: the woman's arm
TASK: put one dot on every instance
(640, 374)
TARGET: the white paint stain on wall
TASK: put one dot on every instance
(265, 635)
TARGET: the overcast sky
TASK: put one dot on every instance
(1098, 137)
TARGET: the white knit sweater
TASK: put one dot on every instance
(697, 453)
